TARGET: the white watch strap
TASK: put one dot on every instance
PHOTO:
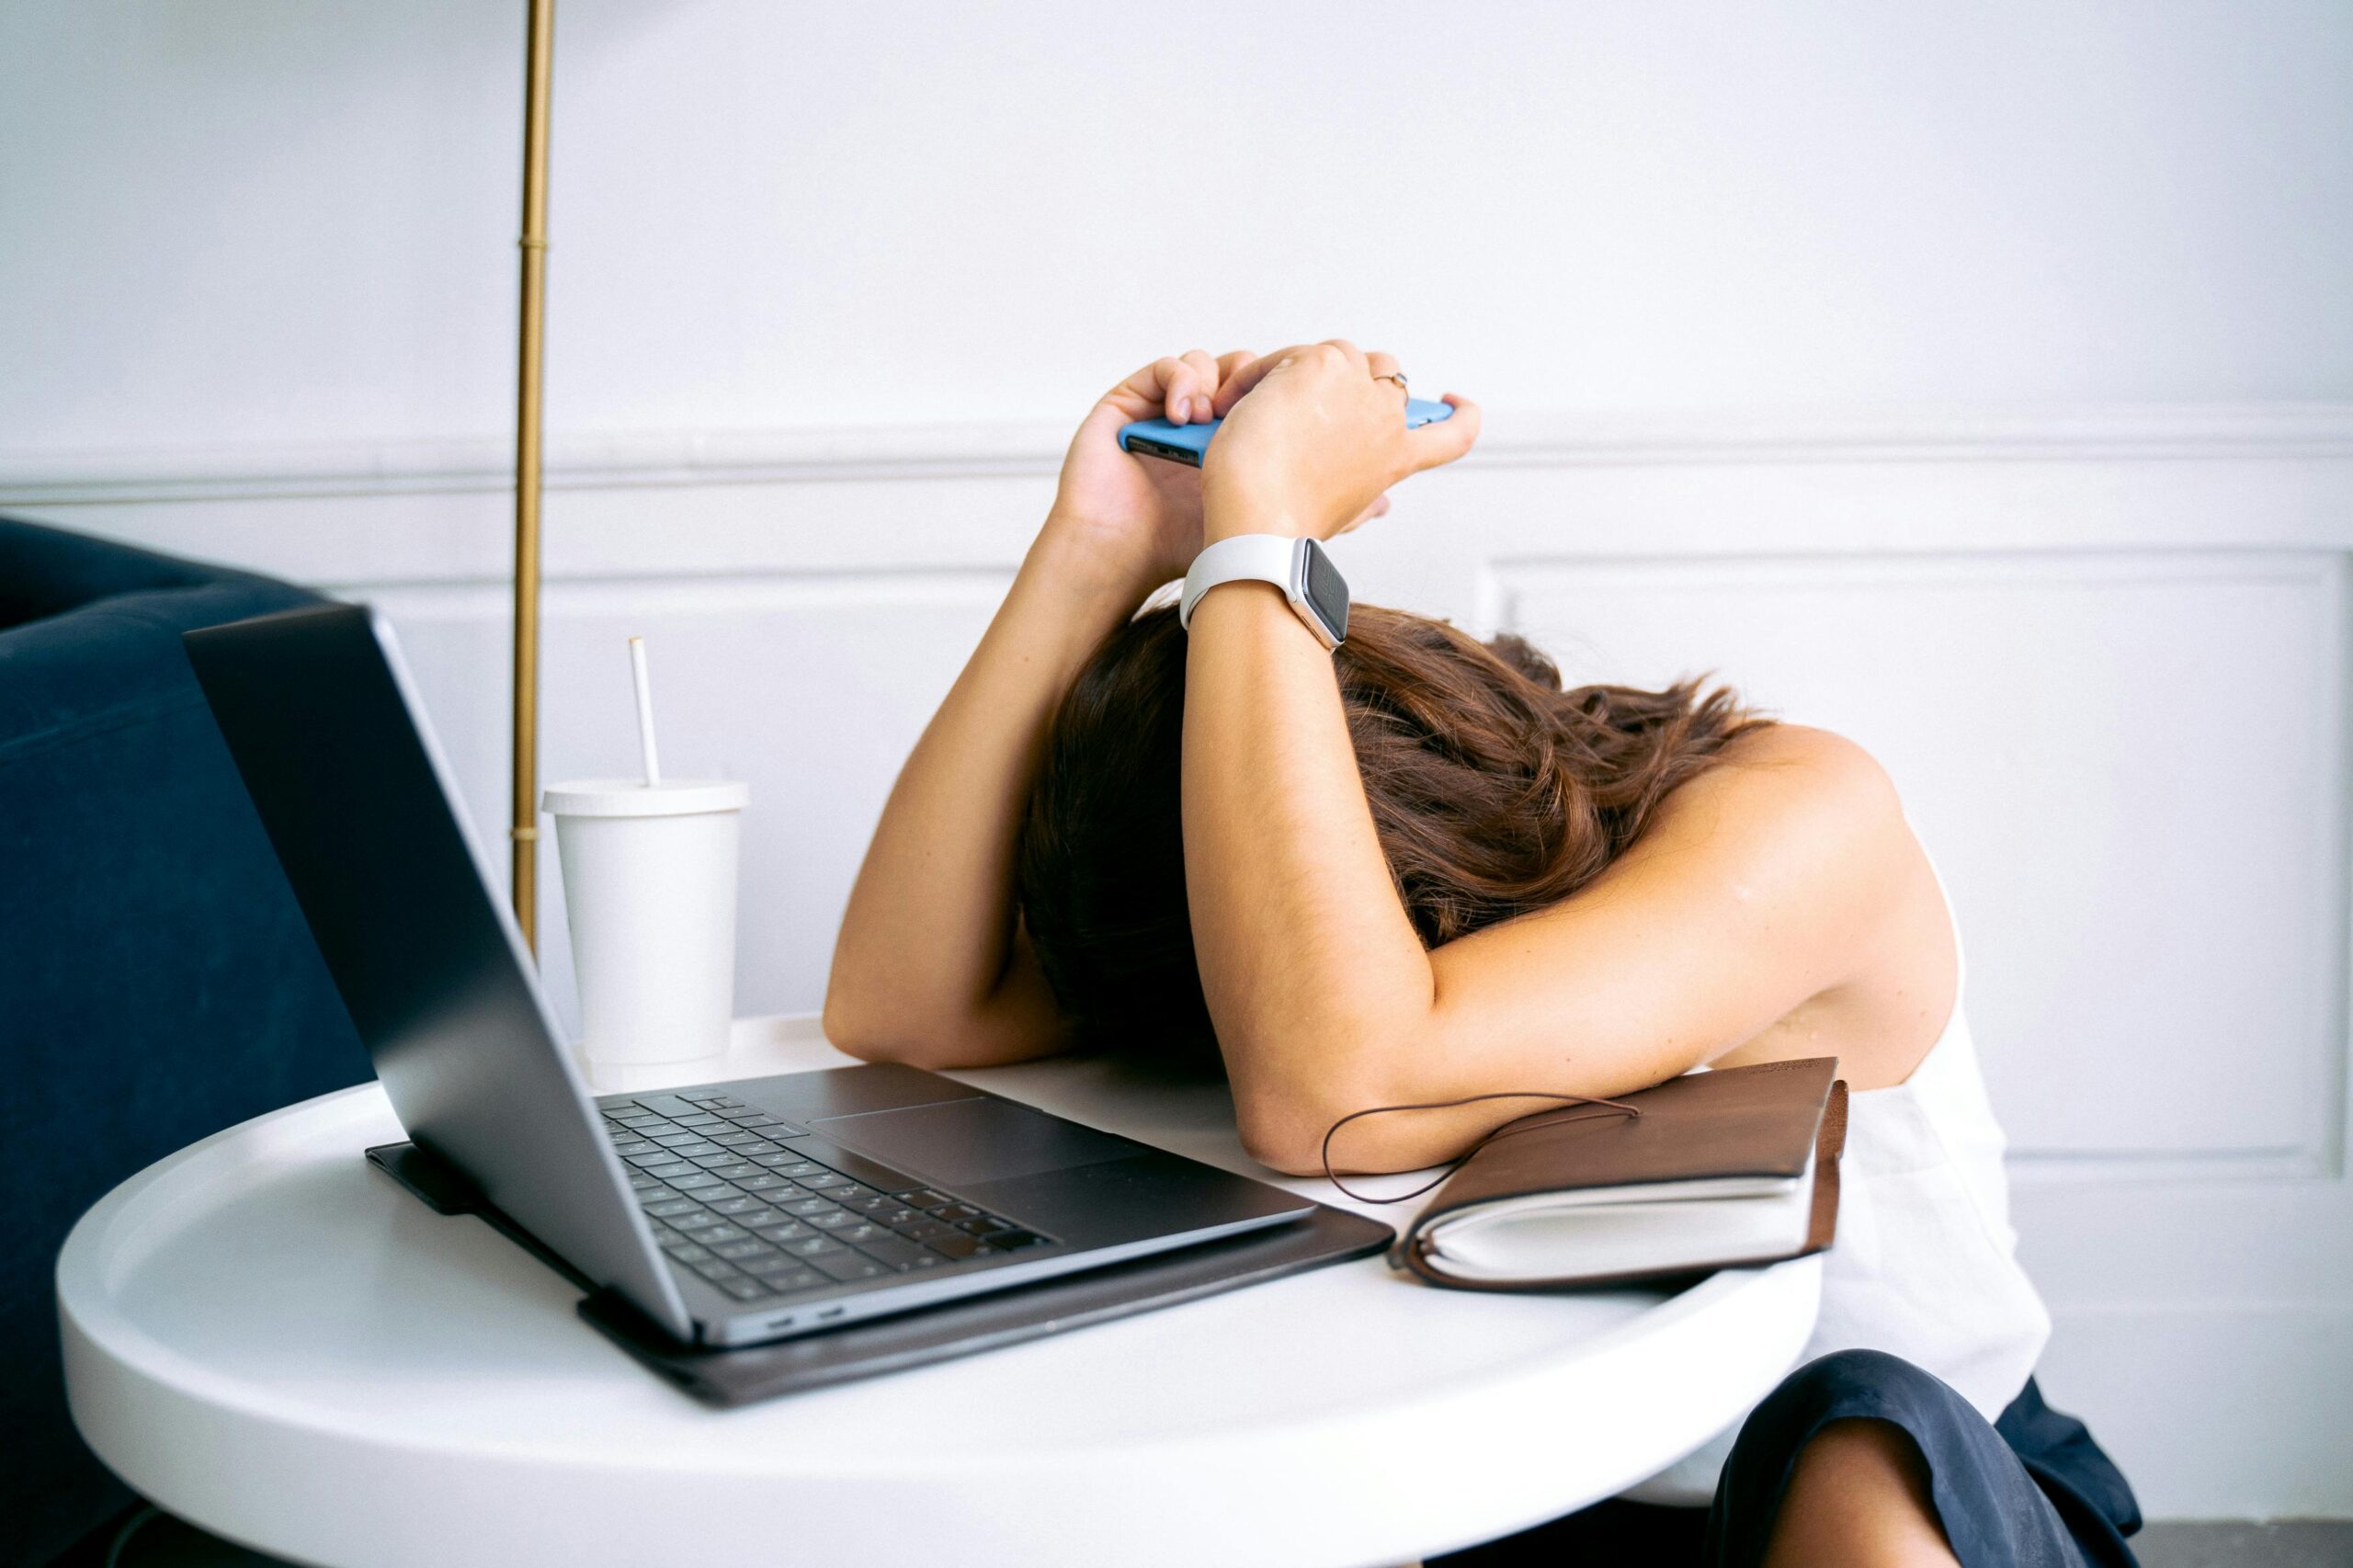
(1244, 558)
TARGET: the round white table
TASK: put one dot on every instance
(270, 1338)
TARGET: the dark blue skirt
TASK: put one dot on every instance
(2031, 1490)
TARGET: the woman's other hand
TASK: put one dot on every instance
(1318, 438)
(1141, 518)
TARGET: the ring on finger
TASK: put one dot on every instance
(1397, 376)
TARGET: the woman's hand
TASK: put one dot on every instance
(1313, 438)
(1141, 518)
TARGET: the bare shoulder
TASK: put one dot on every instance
(1784, 791)
(1766, 910)
(1813, 824)
(1819, 762)
(1794, 842)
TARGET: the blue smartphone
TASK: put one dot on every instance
(1185, 443)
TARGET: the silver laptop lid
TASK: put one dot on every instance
(335, 749)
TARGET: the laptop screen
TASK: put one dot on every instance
(335, 751)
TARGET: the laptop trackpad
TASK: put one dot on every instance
(977, 1140)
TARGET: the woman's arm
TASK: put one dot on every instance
(1751, 893)
(930, 967)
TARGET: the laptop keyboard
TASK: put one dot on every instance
(759, 1219)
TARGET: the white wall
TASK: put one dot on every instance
(245, 221)
(1978, 380)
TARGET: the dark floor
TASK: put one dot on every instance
(164, 1543)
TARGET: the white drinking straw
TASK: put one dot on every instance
(644, 711)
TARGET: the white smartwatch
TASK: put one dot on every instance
(1318, 594)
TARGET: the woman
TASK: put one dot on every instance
(1435, 875)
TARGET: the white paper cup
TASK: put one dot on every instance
(649, 883)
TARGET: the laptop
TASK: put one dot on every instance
(730, 1213)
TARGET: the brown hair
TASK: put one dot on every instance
(1493, 793)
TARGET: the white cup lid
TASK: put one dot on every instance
(635, 798)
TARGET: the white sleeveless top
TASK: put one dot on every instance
(1925, 1263)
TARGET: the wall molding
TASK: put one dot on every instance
(463, 465)
(2302, 1136)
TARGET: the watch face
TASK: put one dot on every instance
(1326, 592)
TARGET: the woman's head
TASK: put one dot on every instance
(1493, 793)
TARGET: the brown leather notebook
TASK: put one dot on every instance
(1721, 1170)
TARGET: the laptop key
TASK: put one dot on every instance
(762, 1181)
(692, 1180)
(734, 1251)
(956, 1212)
(837, 1220)
(955, 1244)
(708, 1235)
(784, 1230)
(668, 1105)
(672, 1207)
(896, 1217)
(753, 1119)
(1014, 1241)
(887, 1248)
(713, 1268)
(736, 1140)
(857, 1236)
(803, 1277)
(638, 1181)
(744, 1289)
(928, 1230)
(847, 1265)
(985, 1224)
(770, 1262)
(684, 1250)
(739, 1204)
(809, 1206)
(814, 1247)
(924, 1197)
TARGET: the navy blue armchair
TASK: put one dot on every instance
(157, 983)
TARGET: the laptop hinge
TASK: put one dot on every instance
(444, 1189)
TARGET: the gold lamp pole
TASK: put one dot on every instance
(534, 243)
